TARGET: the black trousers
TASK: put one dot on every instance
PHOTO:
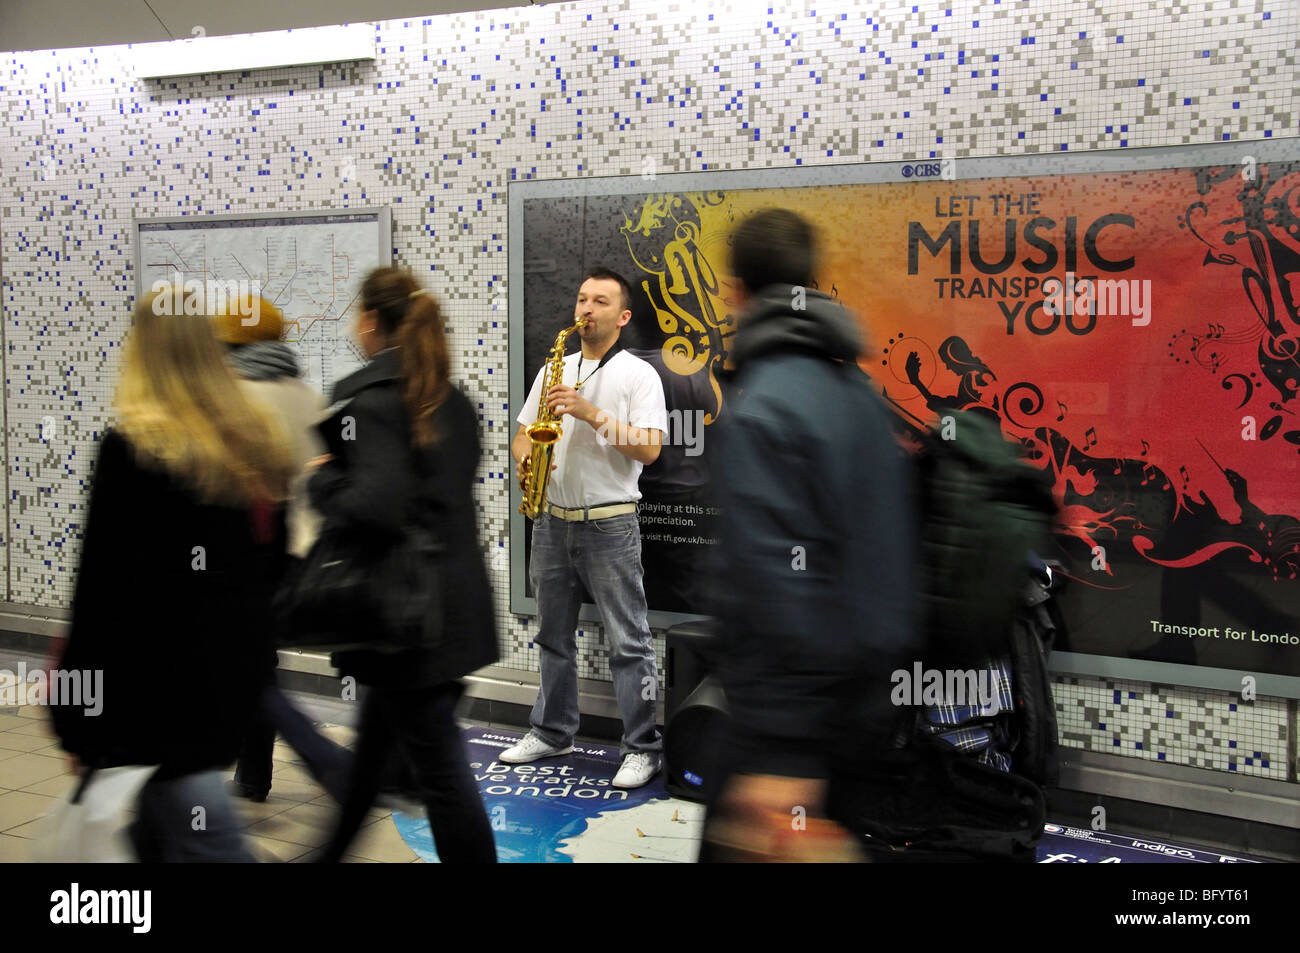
(328, 763)
(420, 726)
(991, 816)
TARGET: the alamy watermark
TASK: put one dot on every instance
(685, 429)
(932, 686)
(208, 296)
(73, 689)
(131, 908)
(1099, 296)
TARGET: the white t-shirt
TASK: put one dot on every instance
(591, 471)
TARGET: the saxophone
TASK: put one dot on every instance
(545, 433)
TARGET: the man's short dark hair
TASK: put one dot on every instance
(773, 247)
(608, 274)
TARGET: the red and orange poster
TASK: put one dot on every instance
(1138, 333)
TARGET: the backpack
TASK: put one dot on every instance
(982, 512)
(983, 509)
(1037, 625)
(1021, 737)
(929, 802)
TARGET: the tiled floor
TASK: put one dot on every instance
(289, 827)
(297, 818)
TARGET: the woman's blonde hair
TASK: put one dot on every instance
(180, 407)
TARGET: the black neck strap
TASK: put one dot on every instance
(614, 349)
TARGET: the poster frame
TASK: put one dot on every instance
(381, 214)
(879, 173)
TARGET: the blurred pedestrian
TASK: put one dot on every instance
(267, 368)
(183, 544)
(817, 549)
(410, 458)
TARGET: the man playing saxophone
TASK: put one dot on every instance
(611, 406)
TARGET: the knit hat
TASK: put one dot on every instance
(233, 326)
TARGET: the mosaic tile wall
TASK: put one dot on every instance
(1202, 729)
(455, 107)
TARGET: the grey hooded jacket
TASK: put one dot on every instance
(268, 372)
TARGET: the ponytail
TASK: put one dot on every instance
(425, 365)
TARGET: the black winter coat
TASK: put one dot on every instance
(817, 543)
(172, 604)
(373, 486)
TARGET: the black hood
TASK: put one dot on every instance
(771, 324)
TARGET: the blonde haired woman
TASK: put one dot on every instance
(182, 547)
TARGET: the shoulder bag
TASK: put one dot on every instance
(354, 591)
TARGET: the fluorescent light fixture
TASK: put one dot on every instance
(251, 51)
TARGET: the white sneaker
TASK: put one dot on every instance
(530, 748)
(638, 768)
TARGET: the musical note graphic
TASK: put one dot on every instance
(1061, 415)
(1183, 473)
(1090, 438)
(1148, 477)
(1145, 447)
(1250, 387)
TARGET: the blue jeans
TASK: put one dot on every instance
(605, 557)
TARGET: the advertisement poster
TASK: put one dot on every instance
(564, 810)
(1136, 332)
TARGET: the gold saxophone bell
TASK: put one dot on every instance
(545, 432)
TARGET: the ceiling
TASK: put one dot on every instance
(56, 24)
